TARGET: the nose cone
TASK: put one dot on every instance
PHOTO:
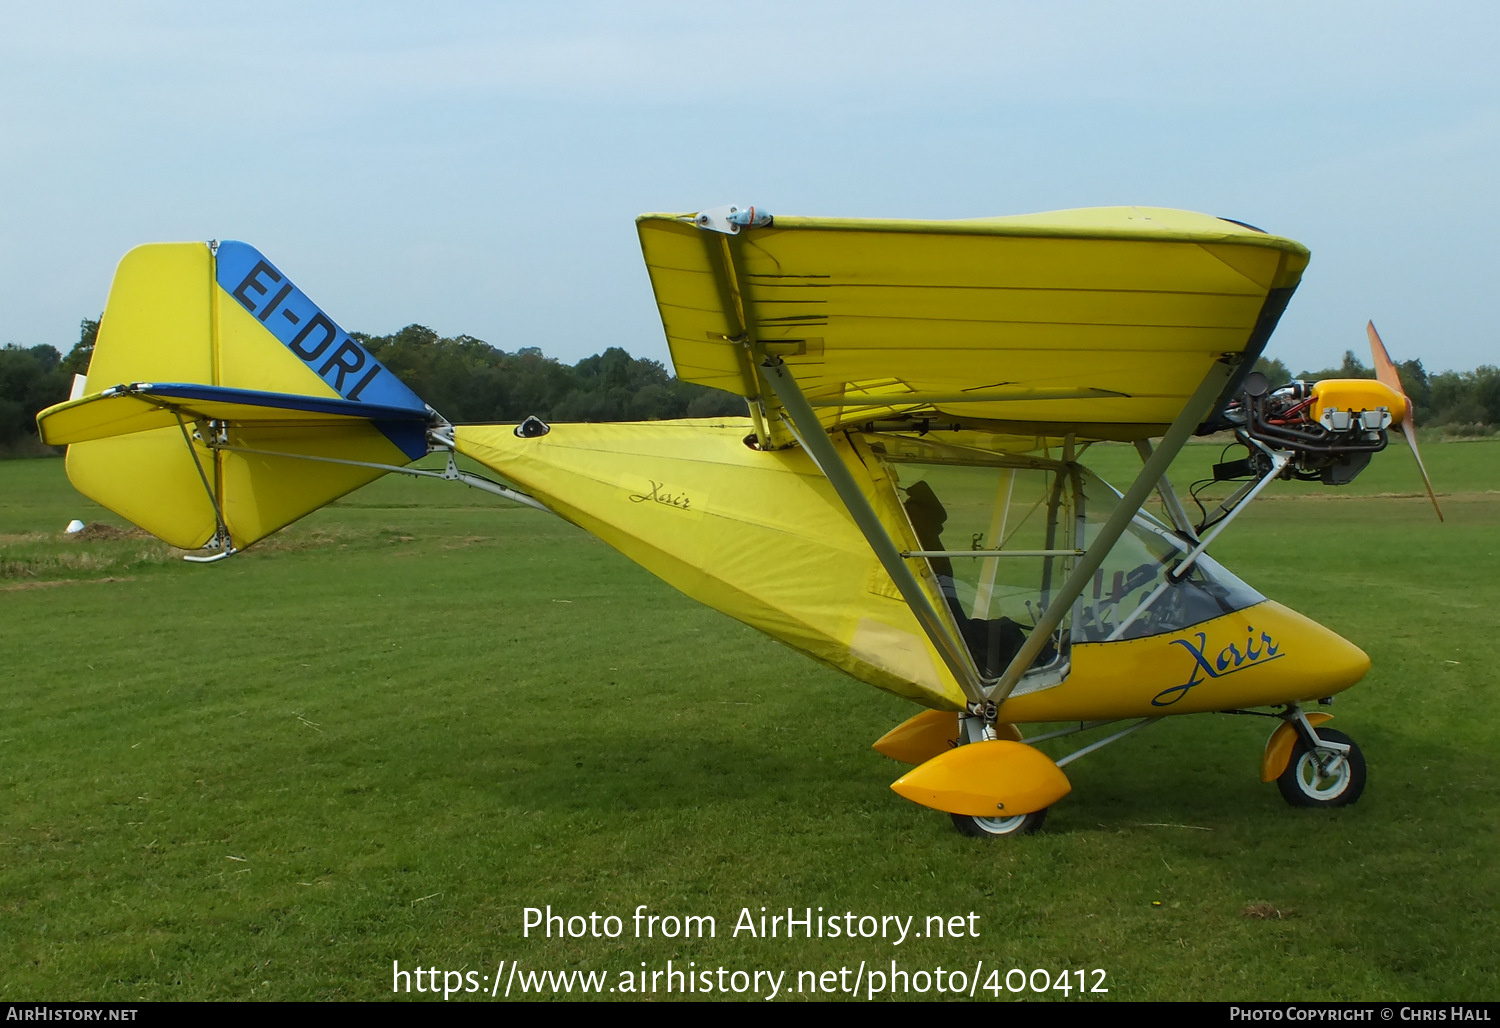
(1347, 663)
(1327, 662)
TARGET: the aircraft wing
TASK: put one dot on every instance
(1099, 322)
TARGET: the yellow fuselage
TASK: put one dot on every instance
(1260, 656)
(762, 537)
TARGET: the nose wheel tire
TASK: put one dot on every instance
(1323, 777)
(996, 827)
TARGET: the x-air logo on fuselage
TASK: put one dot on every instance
(1229, 660)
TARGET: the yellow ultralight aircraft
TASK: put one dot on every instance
(906, 501)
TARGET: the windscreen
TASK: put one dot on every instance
(1133, 575)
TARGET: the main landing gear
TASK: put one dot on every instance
(1312, 765)
(995, 827)
(1019, 768)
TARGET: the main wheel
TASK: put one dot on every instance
(1323, 777)
(994, 827)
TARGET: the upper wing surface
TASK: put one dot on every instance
(1100, 322)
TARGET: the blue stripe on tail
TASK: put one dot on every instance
(302, 327)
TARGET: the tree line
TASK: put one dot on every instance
(467, 380)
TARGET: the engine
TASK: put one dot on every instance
(1332, 427)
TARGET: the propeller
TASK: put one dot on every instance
(1385, 371)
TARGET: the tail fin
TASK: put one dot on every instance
(212, 380)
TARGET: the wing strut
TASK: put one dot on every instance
(1236, 503)
(815, 441)
(1198, 407)
(732, 301)
(1175, 511)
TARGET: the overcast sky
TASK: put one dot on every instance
(476, 167)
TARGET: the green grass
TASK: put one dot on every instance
(381, 734)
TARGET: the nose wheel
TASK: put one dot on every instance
(1331, 774)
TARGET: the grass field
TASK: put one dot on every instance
(383, 733)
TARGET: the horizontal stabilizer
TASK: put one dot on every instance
(141, 406)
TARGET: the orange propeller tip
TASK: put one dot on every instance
(1386, 373)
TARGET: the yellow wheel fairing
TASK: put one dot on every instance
(1260, 656)
(1280, 745)
(758, 535)
(929, 734)
(920, 738)
(998, 778)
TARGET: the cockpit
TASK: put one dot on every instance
(999, 533)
